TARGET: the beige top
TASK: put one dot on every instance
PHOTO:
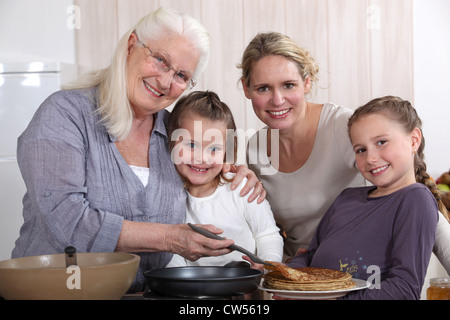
(300, 199)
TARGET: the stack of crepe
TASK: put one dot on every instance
(282, 277)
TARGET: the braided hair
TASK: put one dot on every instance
(404, 113)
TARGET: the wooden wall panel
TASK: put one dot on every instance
(190, 7)
(363, 47)
(222, 74)
(307, 25)
(348, 52)
(392, 49)
(129, 12)
(96, 39)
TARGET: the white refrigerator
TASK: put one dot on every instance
(23, 87)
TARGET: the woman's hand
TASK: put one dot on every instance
(252, 182)
(179, 239)
(182, 240)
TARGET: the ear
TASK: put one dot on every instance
(246, 89)
(132, 40)
(307, 84)
(416, 138)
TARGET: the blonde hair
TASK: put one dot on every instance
(278, 44)
(113, 104)
(403, 113)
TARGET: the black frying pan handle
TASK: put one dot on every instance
(211, 235)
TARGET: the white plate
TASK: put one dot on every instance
(312, 295)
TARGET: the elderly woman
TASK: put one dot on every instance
(95, 158)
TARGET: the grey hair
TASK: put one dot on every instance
(113, 105)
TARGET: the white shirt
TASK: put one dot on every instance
(142, 173)
(250, 225)
(442, 246)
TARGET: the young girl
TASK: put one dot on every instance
(198, 127)
(388, 228)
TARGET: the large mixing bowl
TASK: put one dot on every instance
(100, 276)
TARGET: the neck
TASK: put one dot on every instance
(389, 189)
(201, 191)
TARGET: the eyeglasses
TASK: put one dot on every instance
(182, 78)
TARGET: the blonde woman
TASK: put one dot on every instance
(315, 160)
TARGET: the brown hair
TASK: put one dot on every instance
(404, 113)
(206, 104)
(277, 44)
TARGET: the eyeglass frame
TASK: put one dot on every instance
(190, 84)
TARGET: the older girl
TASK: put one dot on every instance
(390, 225)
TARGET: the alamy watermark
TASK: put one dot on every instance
(374, 279)
(74, 280)
(74, 19)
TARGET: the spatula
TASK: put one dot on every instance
(211, 235)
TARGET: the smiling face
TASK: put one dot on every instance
(199, 156)
(384, 152)
(150, 90)
(277, 91)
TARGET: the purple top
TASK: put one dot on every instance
(394, 233)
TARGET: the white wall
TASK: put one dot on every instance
(432, 92)
(432, 79)
(30, 31)
(36, 30)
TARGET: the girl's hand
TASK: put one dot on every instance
(254, 265)
(252, 182)
(299, 251)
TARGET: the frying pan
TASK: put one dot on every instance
(203, 282)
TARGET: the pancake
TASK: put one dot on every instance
(282, 277)
(291, 273)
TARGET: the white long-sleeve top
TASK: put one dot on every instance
(442, 246)
(250, 225)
